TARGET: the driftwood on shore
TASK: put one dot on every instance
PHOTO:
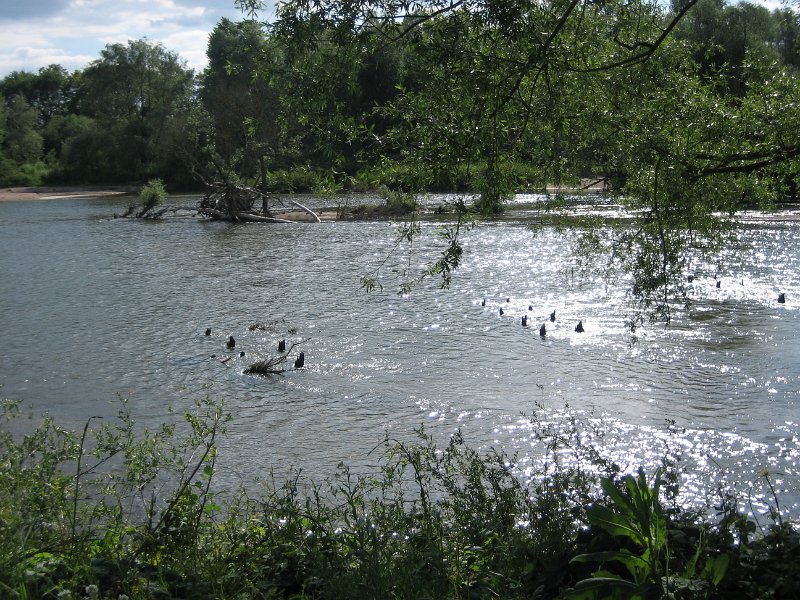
(223, 201)
(308, 210)
(235, 202)
(240, 216)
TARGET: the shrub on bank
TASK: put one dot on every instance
(297, 180)
(25, 174)
(461, 178)
(116, 512)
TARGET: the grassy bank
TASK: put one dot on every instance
(114, 511)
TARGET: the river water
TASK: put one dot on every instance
(96, 308)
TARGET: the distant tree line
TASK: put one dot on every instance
(403, 101)
(117, 121)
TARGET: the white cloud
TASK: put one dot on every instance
(73, 32)
(191, 45)
(34, 58)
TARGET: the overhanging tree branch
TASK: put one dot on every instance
(746, 162)
(642, 50)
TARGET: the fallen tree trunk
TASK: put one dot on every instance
(240, 216)
(157, 214)
(225, 202)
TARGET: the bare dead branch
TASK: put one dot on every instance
(240, 216)
(308, 210)
(272, 365)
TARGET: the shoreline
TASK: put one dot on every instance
(26, 194)
(786, 212)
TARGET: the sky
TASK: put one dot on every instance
(71, 33)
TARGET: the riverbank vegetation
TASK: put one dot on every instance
(687, 112)
(116, 512)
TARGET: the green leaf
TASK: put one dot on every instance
(615, 524)
(212, 507)
(636, 565)
(621, 502)
(588, 589)
(716, 567)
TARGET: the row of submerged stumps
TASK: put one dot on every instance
(230, 344)
(299, 362)
(579, 327)
(781, 296)
(543, 329)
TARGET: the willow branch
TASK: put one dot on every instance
(649, 48)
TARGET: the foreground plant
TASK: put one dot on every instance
(117, 512)
(635, 514)
(101, 505)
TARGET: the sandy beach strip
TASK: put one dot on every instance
(23, 194)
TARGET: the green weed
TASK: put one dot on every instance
(115, 511)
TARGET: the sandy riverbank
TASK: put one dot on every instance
(26, 194)
(19, 194)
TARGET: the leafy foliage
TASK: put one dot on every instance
(114, 510)
(152, 194)
(636, 514)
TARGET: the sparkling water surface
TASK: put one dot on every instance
(96, 308)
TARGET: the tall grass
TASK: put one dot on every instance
(114, 511)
